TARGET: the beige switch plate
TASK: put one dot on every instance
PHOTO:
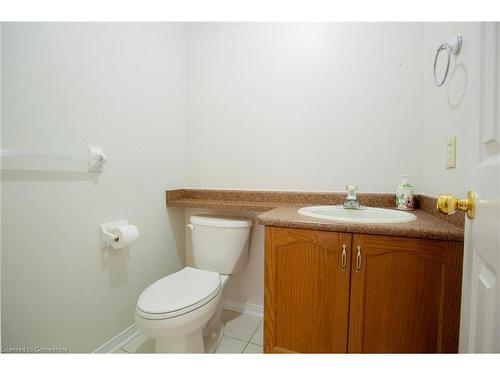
(451, 152)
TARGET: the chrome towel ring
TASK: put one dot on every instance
(452, 48)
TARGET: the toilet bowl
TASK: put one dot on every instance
(174, 310)
(182, 311)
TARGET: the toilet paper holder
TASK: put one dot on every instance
(106, 236)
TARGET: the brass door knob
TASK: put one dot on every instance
(448, 204)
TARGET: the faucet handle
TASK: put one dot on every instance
(351, 190)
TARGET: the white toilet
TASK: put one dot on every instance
(182, 311)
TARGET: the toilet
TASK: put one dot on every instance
(182, 311)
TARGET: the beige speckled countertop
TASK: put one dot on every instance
(280, 209)
(426, 225)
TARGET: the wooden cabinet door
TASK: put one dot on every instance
(405, 295)
(306, 297)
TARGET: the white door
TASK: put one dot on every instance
(480, 315)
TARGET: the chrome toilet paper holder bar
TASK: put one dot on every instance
(108, 237)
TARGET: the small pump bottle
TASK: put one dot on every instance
(404, 195)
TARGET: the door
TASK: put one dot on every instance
(480, 315)
(405, 295)
(306, 296)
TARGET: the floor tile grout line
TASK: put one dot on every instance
(251, 343)
(237, 338)
(248, 340)
(243, 351)
(234, 338)
(253, 334)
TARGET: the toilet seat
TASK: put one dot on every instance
(178, 294)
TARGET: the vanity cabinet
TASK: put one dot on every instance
(306, 290)
(328, 292)
(405, 295)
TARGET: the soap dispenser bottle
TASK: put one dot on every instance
(404, 195)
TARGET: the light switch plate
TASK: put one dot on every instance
(451, 152)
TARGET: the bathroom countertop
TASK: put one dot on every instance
(426, 226)
(259, 200)
(279, 208)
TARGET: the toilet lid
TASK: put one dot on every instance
(179, 291)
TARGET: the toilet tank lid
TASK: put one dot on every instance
(220, 221)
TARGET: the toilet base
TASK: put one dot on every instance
(201, 341)
(213, 331)
(214, 337)
(192, 343)
(180, 334)
(198, 331)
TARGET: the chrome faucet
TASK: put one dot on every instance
(351, 200)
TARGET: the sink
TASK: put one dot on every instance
(364, 215)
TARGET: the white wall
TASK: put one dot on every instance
(311, 107)
(64, 87)
(450, 110)
(269, 106)
(301, 107)
(304, 106)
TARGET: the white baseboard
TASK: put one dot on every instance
(117, 342)
(244, 308)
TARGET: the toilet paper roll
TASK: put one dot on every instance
(127, 234)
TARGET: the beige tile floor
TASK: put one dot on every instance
(242, 334)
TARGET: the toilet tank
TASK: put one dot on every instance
(220, 243)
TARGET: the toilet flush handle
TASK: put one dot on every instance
(190, 226)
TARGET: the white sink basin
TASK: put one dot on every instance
(364, 215)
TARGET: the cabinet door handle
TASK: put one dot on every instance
(344, 257)
(358, 259)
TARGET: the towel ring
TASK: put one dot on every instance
(452, 48)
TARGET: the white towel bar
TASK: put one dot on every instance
(95, 158)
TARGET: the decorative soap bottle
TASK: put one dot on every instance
(404, 195)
